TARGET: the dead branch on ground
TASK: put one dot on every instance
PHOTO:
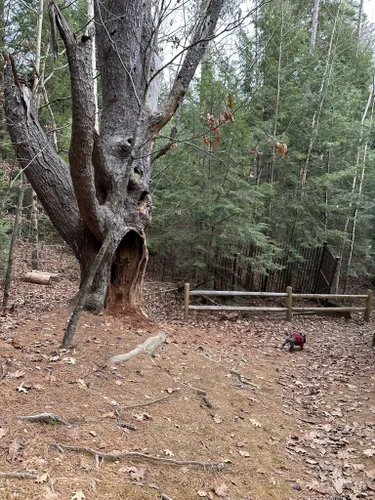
(147, 403)
(19, 475)
(244, 380)
(45, 418)
(99, 455)
(211, 359)
(121, 424)
(149, 346)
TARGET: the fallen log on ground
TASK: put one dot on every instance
(40, 277)
(44, 418)
(149, 346)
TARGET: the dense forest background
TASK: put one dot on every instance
(272, 150)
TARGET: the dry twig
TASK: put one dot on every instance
(244, 380)
(147, 403)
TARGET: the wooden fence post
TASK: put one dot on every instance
(289, 303)
(366, 315)
(186, 300)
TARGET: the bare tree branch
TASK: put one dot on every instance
(83, 123)
(203, 33)
(40, 161)
(168, 146)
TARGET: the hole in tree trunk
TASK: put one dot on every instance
(142, 203)
(127, 271)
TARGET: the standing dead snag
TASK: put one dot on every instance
(106, 187)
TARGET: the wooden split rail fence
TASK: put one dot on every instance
(288, 295)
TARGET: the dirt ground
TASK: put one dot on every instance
(220, 411)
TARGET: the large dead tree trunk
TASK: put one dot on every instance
(104, 193)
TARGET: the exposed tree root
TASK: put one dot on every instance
(99, 455)
(149, 346)
(19, 475)
(45, 418)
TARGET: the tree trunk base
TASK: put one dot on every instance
(118, 285)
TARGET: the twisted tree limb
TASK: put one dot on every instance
(79, 53)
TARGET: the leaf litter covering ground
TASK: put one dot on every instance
(295, 426)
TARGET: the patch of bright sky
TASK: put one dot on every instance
(369, 8)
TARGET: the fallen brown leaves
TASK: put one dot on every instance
(294, 426)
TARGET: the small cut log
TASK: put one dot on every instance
(40, 277)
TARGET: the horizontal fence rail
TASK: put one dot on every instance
(289, 296)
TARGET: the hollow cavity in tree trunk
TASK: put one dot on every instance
(127, 272)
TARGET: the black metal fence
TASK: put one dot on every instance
(307, 270)
(311, 270)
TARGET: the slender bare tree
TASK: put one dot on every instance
(314, 25)
(360, 172)
(360, 19)
(13, 243)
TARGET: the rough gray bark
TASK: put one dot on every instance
(2, 120)
(13, 244)
(104, 194)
